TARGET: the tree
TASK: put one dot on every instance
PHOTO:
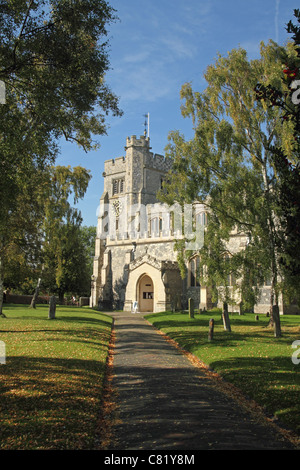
(53, 63)
(68, 267)
(54, 56)
(227, 165)
(20, 241)
(286, 160)
(88, 235)
(63, 253)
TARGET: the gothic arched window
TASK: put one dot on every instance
(194, 272)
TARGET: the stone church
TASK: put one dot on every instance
(135, 263)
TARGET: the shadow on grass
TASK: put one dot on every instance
(60, 318)
(174, 320)
(49, 403)
(272, 382)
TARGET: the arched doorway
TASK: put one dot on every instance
(145, 294)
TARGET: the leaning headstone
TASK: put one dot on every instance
(211, 329)
(52, 307)
(191, 308)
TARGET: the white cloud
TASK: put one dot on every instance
(148, 82)
(177, 47)
(136, 57)
(252, 48)
(161, 46)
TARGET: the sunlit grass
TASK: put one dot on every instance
(52, 381)
(249, 357)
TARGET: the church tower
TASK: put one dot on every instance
(132, 234)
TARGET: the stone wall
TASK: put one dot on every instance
(24, 299)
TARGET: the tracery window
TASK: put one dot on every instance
(194, 272)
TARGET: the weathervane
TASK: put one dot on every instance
(147, 124)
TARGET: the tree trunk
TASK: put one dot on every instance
(1, 289)
(274, 309)
(191, 308)
(52, 307)
(276, 320)
(35, 295)
(225, 317)
(61, 297)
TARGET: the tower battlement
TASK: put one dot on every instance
(136, 145)
(133, 141)
(139, 173)
(117, 165)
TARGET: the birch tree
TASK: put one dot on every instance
(227, 165)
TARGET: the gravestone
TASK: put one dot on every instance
(52, 307)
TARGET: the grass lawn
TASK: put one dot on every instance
(51, 383)
(249, 357)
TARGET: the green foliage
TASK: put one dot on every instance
(228, 166)
(64, 256)
(282, 95)
(54, 56)
(60, 252)
(67, 263)
(53, 62)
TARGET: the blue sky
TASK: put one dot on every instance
(157, 46)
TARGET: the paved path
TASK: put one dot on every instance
(165, 403)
